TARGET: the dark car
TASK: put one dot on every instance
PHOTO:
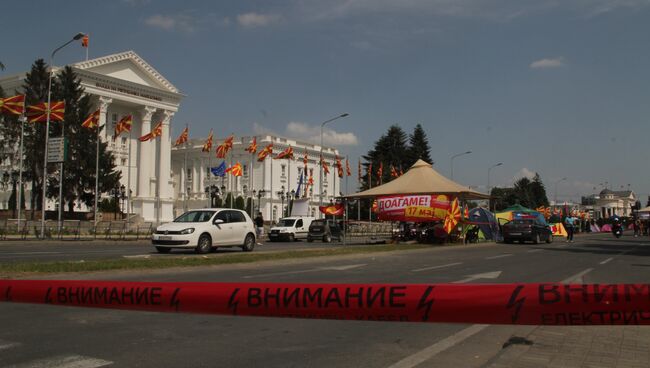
(325, 230)
(527, 229)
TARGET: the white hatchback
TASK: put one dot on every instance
(205, 230)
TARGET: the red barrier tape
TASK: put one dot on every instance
(530, 304)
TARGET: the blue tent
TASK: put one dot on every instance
(486, 221)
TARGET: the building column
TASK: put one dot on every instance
(196, 187)
(202, 171)
(104, 102)
(146, 154)
(164, 161)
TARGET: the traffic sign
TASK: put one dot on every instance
(56, 150)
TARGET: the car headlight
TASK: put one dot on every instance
(283, 230)
(187, 231)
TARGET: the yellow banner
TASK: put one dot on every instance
(419, 212)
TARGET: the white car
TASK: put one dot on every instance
(291, 228)
(206, 229)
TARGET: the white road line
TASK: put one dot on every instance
(330, 268)
(436, 267)
(577, 278)
(28, 253)
(535, 250)
(500, 256)
(607, 260)
(442, 345)
(65, 361)
(4, 345)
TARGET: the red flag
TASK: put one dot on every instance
(359, 170)
(235, 170)
(92, 121)
(453, 216)
(370, 174)
(183, 137)
(155, 132)
(380, 172)
(268, 150)
(84, 41)
(339, 166)
(207, 146)
(348, 171)
(326, 168)
(252, 147)
(334, 210)
(305, 159)
(393, 172)
(13, 105)
(124, 125)
(286, 154)
(38, 113)
(223, 148)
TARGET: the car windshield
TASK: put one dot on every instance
(521, 222)
(195, 216)
(286, 222)
(318, 223)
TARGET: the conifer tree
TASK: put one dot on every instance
(418, 147)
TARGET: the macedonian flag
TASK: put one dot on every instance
(155, 132)
(235, 170)
(252, 147)
(268, 150)
(453, 216)
(207, 146)
(333, 210)
(286, 154)
(38, 113)
(393, 172)
(13, 105)
(185, 135)
(348, 170)
(339, 166)
(326, 168)
(124, 125)
(92, 121)
(223, 148)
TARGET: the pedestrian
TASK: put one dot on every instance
(259, 227)
(637, 226)
(569, 222)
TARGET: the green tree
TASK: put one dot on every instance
(240, 204)
(390, 149)
(418, 147)
(538, 192)
(228, 200)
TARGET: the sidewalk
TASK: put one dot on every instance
(579, 346)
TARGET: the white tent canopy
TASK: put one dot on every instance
(421, 178)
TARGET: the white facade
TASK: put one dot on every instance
(123, 84)
(191, 175)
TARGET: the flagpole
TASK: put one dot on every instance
(60, 224)
(230, 184)
(20, 170)
(128, 184)
(250, 186)
(289, 186)
(184, 173)
(271, 203)
(97, 173)
(370, 187)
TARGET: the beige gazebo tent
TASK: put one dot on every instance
(421, 179)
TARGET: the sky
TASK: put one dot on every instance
(557, 87)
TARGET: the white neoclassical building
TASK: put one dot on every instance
(164, 180)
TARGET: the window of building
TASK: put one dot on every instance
(123, 162)
(124, 142)
(245, 170)
(284, 170)
(189, 174)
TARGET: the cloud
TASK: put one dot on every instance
(547, 63)
(187, 22)
(311, 133)
(254, 20)
(523, 173)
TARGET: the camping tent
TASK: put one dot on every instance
(486, 221)
(511, 212)
(421, 178)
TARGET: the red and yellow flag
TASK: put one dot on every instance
(326, 168)
(155, 132)
(124, 125)
(268, 150)
(339, 166)
(453, 216)
(185, 135)
(14, 105)
(223, 148)
(380, 171)
(235, 170)
(334, 210)
(286, 154)
(359, 170)
(370, 174)
(84, 41)
(393, 172)
(207, 146)
(348, 171)
(252, 147)
(466, 212)
(92, 121)
(305, 158)
(38, 113)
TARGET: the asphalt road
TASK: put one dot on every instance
(38, 335)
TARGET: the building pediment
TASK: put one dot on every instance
(127, 66)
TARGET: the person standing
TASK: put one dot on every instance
(259, 227)
(569, 223)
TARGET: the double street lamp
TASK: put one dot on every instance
(451, 161)
(320, 171)
(78, 36)
(260, 193)
(213, 193)
(490, 169)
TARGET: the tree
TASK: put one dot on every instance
(240, 204)
(79, 167)
(538, 192)
(389, 150)
(525, 192)
(418, 147)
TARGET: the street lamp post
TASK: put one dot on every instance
(260, 194)
(555, 195)
(281, 196)
(451, 161)
(320, 171)
(78, 36)
(488, 180)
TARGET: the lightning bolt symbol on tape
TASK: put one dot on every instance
(175, 302)
(8, 294)
(232, 303)
(426, 302)
(516, 303)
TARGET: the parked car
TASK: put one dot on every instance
(325, 230)
(205, 230)
(290, 229)
(527, 229)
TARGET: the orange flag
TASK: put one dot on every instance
(453, 216)
(286, 154)
(223, 148)
(38, 113)
(339, 166)
(92, 121)
(252, 147)
(155, 132)
(348, 171)
(124, 125)
(268, 150)
(380, 171)
(326, 168)
(185, 135)
(235, 170)
(207, 146)
(13, 105)
(84, 41)
(393, 172)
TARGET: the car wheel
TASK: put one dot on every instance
(205, 244)
(536, 239)
(549, 240)
(163, 249)
(327, 239)
(292, 238)
(507, 241)
(521, 241)
(249, 243)
(310, 239)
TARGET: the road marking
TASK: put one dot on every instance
(436, 267)
(486, 275)
(138, 256)
(66, 361)
(535, 250)
(577, 278)
(28, 253)
(4, 345)
(330, 268)
(442, 345)
(607, 260)
(500, 256)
